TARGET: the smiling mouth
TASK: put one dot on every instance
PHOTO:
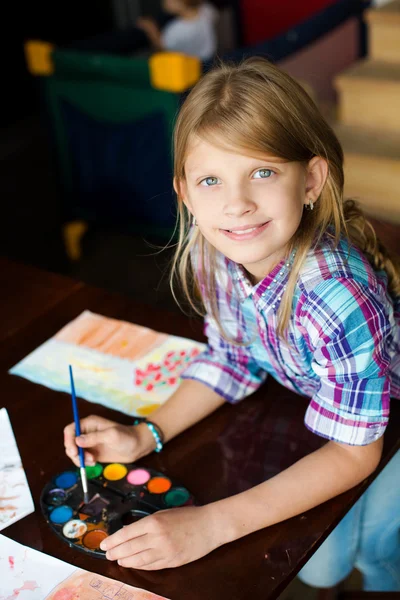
(246, 231)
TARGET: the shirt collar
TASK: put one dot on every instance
(268, 292)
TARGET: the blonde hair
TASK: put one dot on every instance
(256, 107)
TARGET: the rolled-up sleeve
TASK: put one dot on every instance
(227, 368)
(348, 327)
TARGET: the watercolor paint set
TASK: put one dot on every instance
(119, 494)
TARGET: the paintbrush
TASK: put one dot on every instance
(78, 433)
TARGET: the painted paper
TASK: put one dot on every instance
(123, 366)
(30, 575)
(15, 496)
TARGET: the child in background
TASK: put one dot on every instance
(192, 32)
(294, 284)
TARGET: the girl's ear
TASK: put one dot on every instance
(317, 173)
(180, 188)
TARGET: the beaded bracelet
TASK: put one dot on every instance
(156, 432)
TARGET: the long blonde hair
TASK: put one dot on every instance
(256, 107)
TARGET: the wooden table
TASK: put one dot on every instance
(232, 450)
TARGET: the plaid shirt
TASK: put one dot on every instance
(343, 348)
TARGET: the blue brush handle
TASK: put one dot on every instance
(76, 417)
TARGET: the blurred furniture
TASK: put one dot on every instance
(266, 20)
(303, 33)
(111, 132)
(263, 20)
(369, 117)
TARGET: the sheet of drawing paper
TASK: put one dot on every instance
(30, 575)
(124, 366)
(15, 496)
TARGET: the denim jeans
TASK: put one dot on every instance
(367, 538)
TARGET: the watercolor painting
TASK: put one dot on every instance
(15, 496)
(86, 586)
(123, 366)
(30, 575)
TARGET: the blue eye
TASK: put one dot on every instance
(213, 181)
(266, 173)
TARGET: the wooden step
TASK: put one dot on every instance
(384, 32)
(372, 170)
(369, 95)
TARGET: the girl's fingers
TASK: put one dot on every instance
(90, 440)
(95, 423)
(88, 424)
(144, 560)
(71, 450)
(127, 549)
(93, 429)
(69, 435)
(89, 459)
(126, 534)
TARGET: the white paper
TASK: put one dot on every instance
(15, 496)
(120, 365)
(26, 574)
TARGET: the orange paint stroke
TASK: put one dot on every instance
(82, 585)
(111, 336)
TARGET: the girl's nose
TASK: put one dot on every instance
(239, 204)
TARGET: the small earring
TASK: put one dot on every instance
(194, 222)
(310, 204)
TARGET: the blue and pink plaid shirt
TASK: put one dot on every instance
(343, 348)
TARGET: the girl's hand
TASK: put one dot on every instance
(166, 539)
(107, 441)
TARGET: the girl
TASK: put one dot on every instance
(295, 284)
(192, 31)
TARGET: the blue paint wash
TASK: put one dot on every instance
(61, 514)
(66, 480)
